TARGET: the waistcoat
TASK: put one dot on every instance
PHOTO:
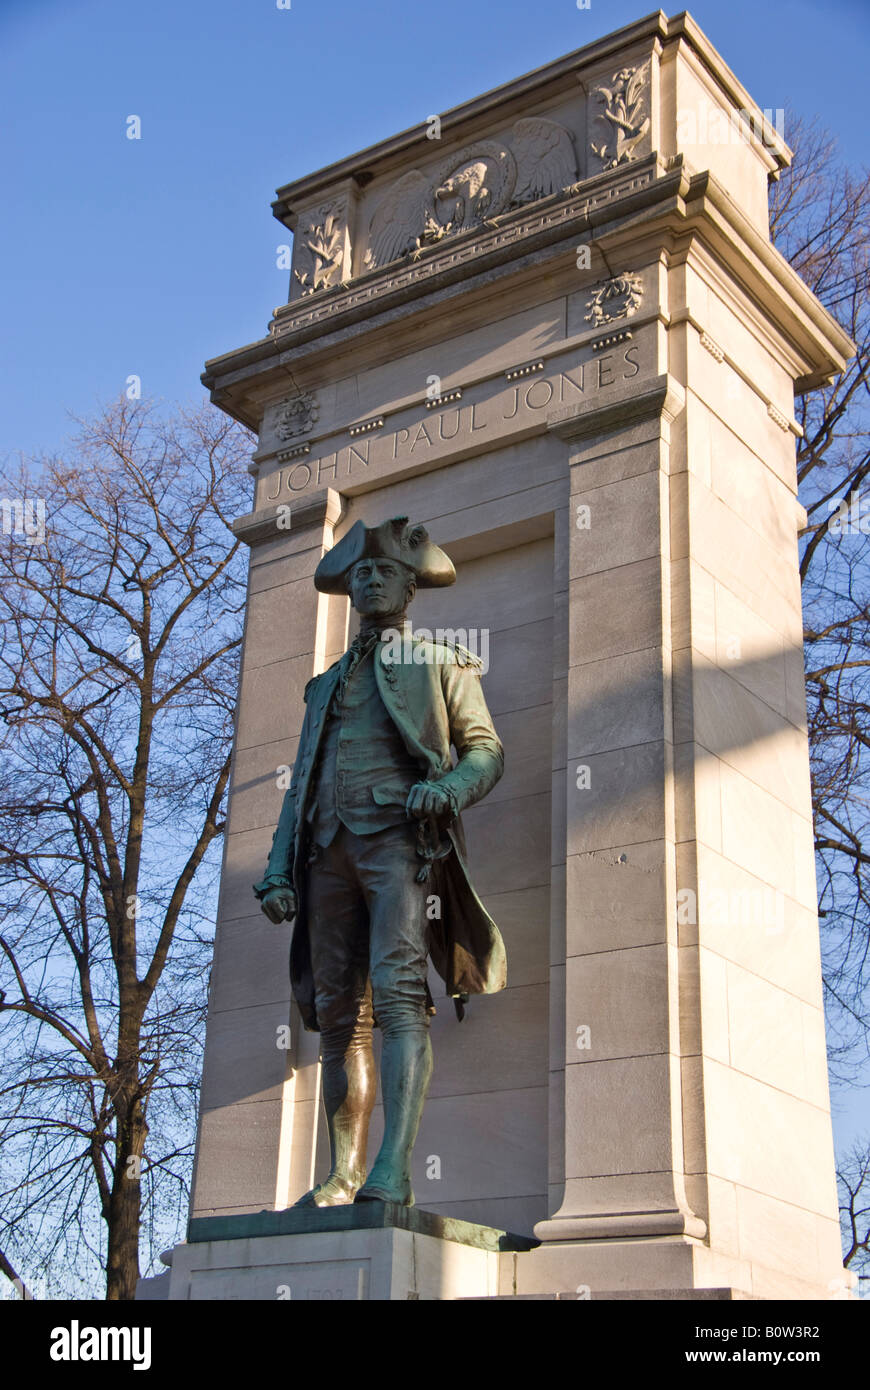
(361, 749)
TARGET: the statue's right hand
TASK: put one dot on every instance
(279, 904)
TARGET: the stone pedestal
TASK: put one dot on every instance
(378, 1251)
(578, 372)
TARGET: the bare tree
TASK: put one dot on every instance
(117, 684)
(118, 670)
(820, 220)
(853, 1178)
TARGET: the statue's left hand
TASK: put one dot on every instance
(279, 905)
(427, 799)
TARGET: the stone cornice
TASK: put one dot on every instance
(633, 212)
(697, 212)
(378, 297)
(546, 221)
(756, 262)
(706, 214)
(663, 397)
(323, 508)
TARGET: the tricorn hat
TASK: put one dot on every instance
(392, 540)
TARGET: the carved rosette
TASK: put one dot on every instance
(617, 298)
(625, 119)
(321, 248)
(296, 416)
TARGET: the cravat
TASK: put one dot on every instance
(359, 647)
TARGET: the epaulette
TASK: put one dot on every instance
(461, 655)
(466, 658)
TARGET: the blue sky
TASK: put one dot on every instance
(149, 256)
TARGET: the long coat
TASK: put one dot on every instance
(434, 696)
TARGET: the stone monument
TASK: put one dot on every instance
(551, 327)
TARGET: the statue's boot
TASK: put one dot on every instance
(406, 1069)
(348, 1098)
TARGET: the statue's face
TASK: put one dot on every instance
(380, 587)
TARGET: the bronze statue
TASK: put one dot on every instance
(369, 855)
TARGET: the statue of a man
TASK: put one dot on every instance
(369, 856)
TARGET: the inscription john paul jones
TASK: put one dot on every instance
(459, 423)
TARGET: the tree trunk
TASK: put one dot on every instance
(122, 1265)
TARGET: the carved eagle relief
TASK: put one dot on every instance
(474, 186)
(398, 219)
(545, 157)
